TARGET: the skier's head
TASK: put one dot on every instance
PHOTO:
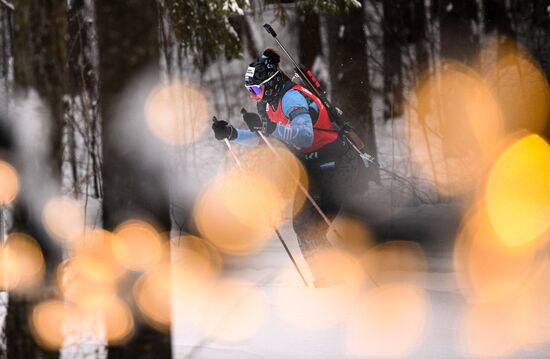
(263, 79)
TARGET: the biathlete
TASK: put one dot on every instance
(294, 115)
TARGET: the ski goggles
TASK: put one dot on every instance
(257, 89)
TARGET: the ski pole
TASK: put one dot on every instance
(234, 155)
(373, 160)
(279, 236)
(300, 185)
(3, 245)
(314, 85)
(311, 82)
(272, 32)
(311, 199)
(298, 182)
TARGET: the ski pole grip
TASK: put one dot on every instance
(270, 30)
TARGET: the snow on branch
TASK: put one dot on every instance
(8, 4)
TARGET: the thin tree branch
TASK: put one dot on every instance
(8, 4)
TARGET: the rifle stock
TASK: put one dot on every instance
(312, 84)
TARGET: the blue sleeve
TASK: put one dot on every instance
(300, 130)
(247, 138)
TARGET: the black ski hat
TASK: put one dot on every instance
(263, 68)
(266, 66)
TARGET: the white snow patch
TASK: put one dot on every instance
(341, 31)
(233, 6)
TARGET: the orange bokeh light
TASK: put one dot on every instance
(232, 311)
(63, 219)
(197, 251)
(315, 309)
(153, 296)
(336, 266)
(186, 277)
(454, 126)
(521, 88)
(237, 213)
(118, 321)
(496, 329)
(511, 323)
(488, 269)
(89, 278)
(9, 183)
(388, 321)
(252, 199)
(195, 264)
(137, 245)
(177, 112)
(80, 289)
(283, 171)
(518, 191)
(350, 234)
(47, 321)
(538, 294)
(21, 263)
(395, 262)
(344, 279)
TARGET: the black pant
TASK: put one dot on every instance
(333, 177)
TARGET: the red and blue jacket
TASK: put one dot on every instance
(302, 121)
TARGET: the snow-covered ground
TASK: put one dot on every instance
(299, 322)
(292, 321)
(304, 322)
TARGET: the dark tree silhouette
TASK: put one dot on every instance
(40, 64)
(458, 40)
(349, 74)
(394, 42)
(128, 47)
(419, 23)
(200, 26)
(309, 38)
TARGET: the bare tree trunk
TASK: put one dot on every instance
(393, 64)
(129, 46)
(82, 120)
(497, 18)
(82, 77)
(6, 17)
(241, 25)
(350, 83)
(458, 40)
(420, 36)
(40, 59)
(309, 38)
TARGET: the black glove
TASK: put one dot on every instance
(270, 127)
(252, 120)
(223, 130)
(255, 123)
